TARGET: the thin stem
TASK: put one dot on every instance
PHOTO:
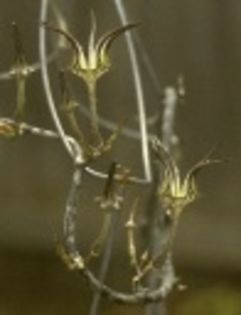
(169, 138)
(71, 211)
(110, 206)
(132, 249)
(75, 126)
(21, 97)
(105, 263)
(11, 125)
(149, 296)
(45, 78)
(69, 107)
(109, 125)
(138, 89)
(148, 66)
(91, 84)
(102, 175)
(98, 244)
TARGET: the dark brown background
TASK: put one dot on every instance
(202, 40)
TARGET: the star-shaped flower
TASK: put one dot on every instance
(93, 63)
(177, 192)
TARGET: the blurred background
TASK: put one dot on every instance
(199, 39)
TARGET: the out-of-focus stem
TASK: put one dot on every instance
(100, 241)
(45, 78)
(141, 107)
(105, 262)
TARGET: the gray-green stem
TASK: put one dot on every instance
(91, 84)
(20, 97)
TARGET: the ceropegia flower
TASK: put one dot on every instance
(95, 61)
(175, 191)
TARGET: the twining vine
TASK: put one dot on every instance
(172, 192)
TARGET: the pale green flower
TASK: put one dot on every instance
(95, 61)
(175, 191)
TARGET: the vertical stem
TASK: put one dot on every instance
(169, 138)
(72, 204)
(160, 232)
(98, 244)
(105, 263)
(94, 112)
(148, 66)
(20, 97)
(109, 229)
(157, 235)
(75, 126)
(141, 108)
(69, 106)
(45, 77)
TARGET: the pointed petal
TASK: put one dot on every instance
(71, 39)
(92, 36)
(106, 40)
(200, 165)
(207, 160)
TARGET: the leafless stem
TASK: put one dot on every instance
(148, 66)
(102, 175)
(109, 202)
(69, 107)
(75, 262)
(145, 296)
(102, 237)
(71, 211)
(159, 227)
(93, 110)
(131, 133)
(21, 97)
(105, 262)
(138, 89)
(132, 250)
(169, 138)
(45, 79)
(11, 128)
